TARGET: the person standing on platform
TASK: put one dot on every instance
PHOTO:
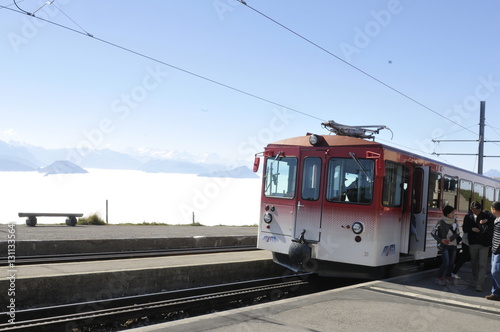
(478, 225)
(495, 254)
(446, 233)
(462, 257)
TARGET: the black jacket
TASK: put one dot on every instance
(485, 236)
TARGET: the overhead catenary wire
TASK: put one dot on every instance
(165, 63)
(435, 139)
(359, 70)
(494, 129)
(22, 10)
(351, 65)
(52, 3)
(85, 33)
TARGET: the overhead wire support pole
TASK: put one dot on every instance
(481, 141)
(481, 138)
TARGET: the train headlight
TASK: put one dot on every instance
(268, 218)
(313, 139)
(357, 227)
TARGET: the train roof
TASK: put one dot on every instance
(328, 140)
(340, 140)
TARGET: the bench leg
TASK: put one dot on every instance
(71, 221)
(31, 221)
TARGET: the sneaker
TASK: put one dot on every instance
(493, 297)
(449, 281)
(440, 281)
(455, 276)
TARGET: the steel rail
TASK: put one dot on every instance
(80, 257)
(195, 300)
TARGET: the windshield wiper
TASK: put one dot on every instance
(353, 156)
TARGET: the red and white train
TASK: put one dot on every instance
(344, 205)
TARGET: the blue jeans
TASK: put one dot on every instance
(447, 260)
(495, 274)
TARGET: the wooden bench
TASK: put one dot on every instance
(31, 217)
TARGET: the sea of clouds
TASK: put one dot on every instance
(132, 196)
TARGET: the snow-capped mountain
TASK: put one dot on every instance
(20, 157)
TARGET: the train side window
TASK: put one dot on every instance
(465, 195)
(280, 177)
(334, 185)
(490, 197)
(497, 194)
(395, 183)
(450, 191)
(348, 182)
(434, 196)
(311, 178)
(479, 193)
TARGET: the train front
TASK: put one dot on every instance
(317, 211)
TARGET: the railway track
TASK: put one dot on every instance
(120, 313)
(46, 259)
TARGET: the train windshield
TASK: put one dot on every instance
(280, 177)
(348, 181)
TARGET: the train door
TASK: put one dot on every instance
(418, 226)
(310, 198)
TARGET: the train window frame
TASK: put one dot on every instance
(450, 185)
(480, 197)
(338, 191)
(395, 184)
(497, 195)
(463, 200)
(489, 197)
(434, 191)
(311, 178)
(289, 178)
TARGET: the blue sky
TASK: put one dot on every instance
(60, 88)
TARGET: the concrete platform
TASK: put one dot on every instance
(51, 284)
(412, 303)
(63, 232)
(61, 239)
(403, 303)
